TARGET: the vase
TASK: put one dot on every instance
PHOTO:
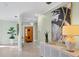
(11, 41)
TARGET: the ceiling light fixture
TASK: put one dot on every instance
(48, 3)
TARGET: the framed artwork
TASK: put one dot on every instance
(61, 17)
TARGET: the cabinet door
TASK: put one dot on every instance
(42, 50)
(47, 51)
(63, 54)
(54, 52)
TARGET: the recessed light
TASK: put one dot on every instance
(48, 2)
(15, 16)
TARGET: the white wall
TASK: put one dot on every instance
(35, 32)
(75, 18)
(75, 13)
(44, 25)
(4, 26)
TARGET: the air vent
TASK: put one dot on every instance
(48, 3)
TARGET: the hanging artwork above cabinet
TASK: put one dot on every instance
(61, 17)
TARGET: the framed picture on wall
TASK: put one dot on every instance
(61, 17)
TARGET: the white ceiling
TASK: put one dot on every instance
(8, 10)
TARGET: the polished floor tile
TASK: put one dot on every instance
(29, 50)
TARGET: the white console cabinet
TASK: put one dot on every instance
(48, 50)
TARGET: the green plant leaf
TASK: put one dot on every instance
(9, 32)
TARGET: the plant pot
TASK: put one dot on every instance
(11, 41)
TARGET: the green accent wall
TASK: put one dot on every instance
(4, 26)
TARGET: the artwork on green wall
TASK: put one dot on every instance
(12, 32)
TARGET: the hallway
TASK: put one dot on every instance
(29, 50)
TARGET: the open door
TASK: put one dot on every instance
(28, 34)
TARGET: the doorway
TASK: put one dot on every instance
(28, 34)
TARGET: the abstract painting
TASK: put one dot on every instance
(60, 17)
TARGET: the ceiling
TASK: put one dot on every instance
(12, 10)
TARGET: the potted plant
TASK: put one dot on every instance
(12, 33)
